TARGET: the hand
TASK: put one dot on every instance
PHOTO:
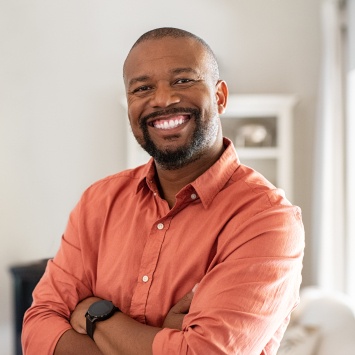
(77, 318)
(176, 315)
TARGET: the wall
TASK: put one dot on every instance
(61, 125)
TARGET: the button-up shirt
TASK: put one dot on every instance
(230, 231)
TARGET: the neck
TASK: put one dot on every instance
(172, 181)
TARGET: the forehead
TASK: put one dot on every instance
(164, 54)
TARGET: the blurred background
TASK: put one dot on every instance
(63, 125)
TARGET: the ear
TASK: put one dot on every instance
(221, 95)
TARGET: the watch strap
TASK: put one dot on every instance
(93, 315)
(90, 327)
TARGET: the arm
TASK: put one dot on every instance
(69, 278)
(117, 335)
(62, 286)
(249, 288)
(73, 343)
(244, 301)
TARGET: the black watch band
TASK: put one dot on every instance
(90, 327)
(98, 312)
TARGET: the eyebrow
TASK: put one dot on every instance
(183, 70)
(145, 78)
(139, 79)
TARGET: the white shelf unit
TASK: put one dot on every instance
(275, 112)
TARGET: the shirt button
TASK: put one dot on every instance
(193, 196)
(160, 226)
(145, 278)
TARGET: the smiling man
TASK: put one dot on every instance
(192, 253)
(174, 98)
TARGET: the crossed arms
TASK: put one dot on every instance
(118, 335)
(248, 274)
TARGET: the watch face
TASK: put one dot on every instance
(101, 308)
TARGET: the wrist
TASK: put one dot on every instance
(97, 312)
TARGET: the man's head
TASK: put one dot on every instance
(174, 96)
(171, 32)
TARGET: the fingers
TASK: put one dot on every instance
(77, 318)
(183, 305)
(175, 317)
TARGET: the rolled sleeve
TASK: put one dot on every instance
(62, 286)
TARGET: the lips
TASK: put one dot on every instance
(168, 119)
(169, 123)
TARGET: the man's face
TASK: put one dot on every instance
(173, 100)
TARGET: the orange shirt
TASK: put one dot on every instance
(230, 231)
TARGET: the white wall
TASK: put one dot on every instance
(351, 33)
(61, 125)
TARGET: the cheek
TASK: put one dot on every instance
(133, 115)
(134, 126)
(211, 111)
(135, 109)
(208, 100)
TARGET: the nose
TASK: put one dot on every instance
(164, 96)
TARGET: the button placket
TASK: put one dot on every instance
(148, 265)
(159, 226)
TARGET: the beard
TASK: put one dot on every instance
(171, 159)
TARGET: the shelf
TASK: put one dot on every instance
(258, 153)
(271, 156)
(258, 105)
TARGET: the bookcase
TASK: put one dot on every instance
(260, 127)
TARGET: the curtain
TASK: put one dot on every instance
(329, 239)
(350, 149)
(350, 183)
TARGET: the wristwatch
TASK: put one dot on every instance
(98, 312)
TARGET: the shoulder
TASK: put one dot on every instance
(251, 196)
(251, 185)
(260, 217)
(121, 184)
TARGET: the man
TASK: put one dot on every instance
(200, 254)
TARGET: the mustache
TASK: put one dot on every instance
(174, 110)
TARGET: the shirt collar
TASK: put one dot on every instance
(210, 182)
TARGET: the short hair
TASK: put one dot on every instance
(164, 32)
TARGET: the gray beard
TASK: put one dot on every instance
(175, 159)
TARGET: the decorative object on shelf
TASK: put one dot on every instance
(253, 135)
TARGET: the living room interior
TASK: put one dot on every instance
(64, 125)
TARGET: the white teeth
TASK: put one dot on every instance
(169, 124)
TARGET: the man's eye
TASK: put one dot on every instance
(184, 81)
(142, 88)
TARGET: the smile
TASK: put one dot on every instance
(170, 123)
